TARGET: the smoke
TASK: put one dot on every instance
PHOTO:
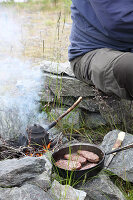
(10, 31)
(20, 83)
(19, 101)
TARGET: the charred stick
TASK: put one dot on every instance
(21, 150)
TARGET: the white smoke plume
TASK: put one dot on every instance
(20, 83)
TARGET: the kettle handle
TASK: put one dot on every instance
(64, 114)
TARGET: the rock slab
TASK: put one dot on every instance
(25, 192)
(14, 172)
(66, 192)
(122, 163)
(101, 188)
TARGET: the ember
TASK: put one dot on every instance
(38, 152)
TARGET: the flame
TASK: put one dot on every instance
(47, 147)
(40, 152)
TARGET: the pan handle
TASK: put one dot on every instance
(120, 149)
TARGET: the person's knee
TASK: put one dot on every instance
(123, 72)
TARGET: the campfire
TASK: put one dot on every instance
(31, 149)
(8, 152)
(35, 142)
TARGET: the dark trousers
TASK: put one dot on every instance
(110, 71)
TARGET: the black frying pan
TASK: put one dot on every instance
(81, 174)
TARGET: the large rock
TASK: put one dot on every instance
(68, 86)
(56, 68)
(60, 86)
(14, 172)
(66, 192)
(122, 163)
(101, 188)
(25, 192)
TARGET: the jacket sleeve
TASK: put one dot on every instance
(116, 16)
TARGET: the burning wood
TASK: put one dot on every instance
(53, 144)
(8, 152)
(38, 152)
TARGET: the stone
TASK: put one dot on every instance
(90, 103)
(93, 120)
(25, 192)
(71, 119)
(56, 68)
(67, 86)
(14, 172)
(48, 165)
(115, 110)
(122, 163)
(43, 181)
(101, 188)
(67, 90)
(62, 192)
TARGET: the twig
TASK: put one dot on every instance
(57, 141)
(11, 152)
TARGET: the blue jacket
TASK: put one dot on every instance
(101, 24)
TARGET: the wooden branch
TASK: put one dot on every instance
(64, 114)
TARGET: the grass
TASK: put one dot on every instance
(45, 5)
(46, 36)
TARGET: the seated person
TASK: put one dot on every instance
(102, 44)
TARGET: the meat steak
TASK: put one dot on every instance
(75, 157)
(90, 156)
(68, 164)
(88, 166)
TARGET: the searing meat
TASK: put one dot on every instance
(90, 156)
(75, 157)
(89, 165)
(68, 164)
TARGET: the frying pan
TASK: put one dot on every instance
(81, 174)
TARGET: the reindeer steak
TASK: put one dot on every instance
(90, 156)
(88, 166)
(75, 157)
(68, 164)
